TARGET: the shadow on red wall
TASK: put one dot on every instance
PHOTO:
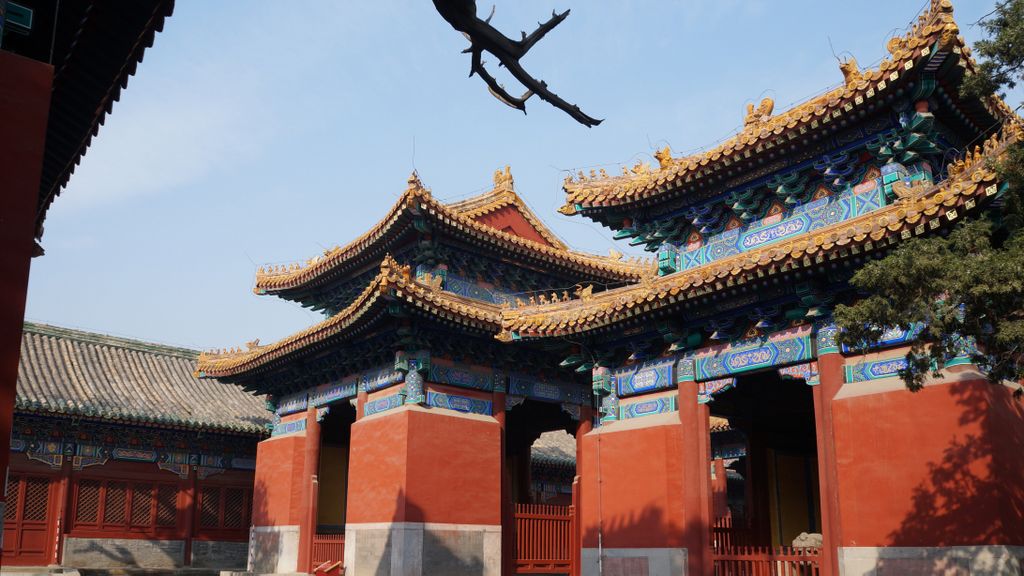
(974, 494)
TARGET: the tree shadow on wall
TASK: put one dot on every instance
(452, 553)
(630, 530)
(264, 547)
(973, 495)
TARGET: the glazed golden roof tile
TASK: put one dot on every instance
(460, 217)
(394, 281)
(915, 211)
(763, 130)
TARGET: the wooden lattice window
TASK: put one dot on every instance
(128, 506)
(224, 508)
(114, 502)
(37, 496)
(13, 486)
(88, 502)
(209, 510)
(142, 504)
(166, 505)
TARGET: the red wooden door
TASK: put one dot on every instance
(27, 521)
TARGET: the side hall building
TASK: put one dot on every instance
(121, 458)
(720, 428)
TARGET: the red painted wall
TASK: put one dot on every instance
(423, 465)
(509, 219)
(278, 490)
(937, 468)
(639, 497)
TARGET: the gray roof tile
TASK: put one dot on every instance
(76, 373)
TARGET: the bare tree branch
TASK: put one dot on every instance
(461, 14)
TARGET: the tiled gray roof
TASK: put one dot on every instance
(75, 373)
(556, 447)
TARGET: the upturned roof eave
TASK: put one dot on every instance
(595, 198)
(417, 201)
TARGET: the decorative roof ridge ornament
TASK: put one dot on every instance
(414, 186)
(503, 180)
(758, 115)
(934, 27)
(851, 72)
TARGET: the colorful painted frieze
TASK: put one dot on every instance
(382, 404)
(327, 393)
(819, 213)
(707, 390)
(459, 403)
(646, 377)
(808, 372)
(473, 378)
(648, 407)
(894, 336)
(537, 388)
(289, 427)
(778, 349)
(134, 455)
(875, 369)
(379, 379)
(293, 403)
(470, 289)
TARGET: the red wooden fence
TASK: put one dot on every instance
(328, 548)
(766, 561)
(543, 539)
(726, 532)
(734, 554)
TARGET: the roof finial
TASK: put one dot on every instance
(414, 184)
(851, 72)
(664, 157)
(503, 179)
(761, 114)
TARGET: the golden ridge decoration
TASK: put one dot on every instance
(759, 115)
(906, 52)
(461, 215)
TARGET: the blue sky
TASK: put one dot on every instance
(264, 132)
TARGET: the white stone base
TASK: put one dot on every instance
(922, 561)
(273, 549)
(634, 562)
(417, 549)
(104, 553)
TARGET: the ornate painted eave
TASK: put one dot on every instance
(935, 32)
(915, 212)
(393, 284)
(457, 219)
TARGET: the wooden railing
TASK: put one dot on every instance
(766, 561)
(328, 549)
(727, 532)
(543, 539)
(734, 553)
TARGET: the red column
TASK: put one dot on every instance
(508, 520)
(830, 370)
(63, 508)
(696, 496)
(583, 427)
(24, 109)
(310, 466)
(190, 495)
